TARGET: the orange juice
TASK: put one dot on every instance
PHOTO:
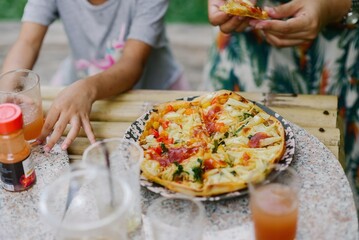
(274, 211)
(33, 129)
(33, 121)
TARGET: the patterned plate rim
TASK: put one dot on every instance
(135, 129)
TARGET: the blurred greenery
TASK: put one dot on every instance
(14, 9)
(188, 11)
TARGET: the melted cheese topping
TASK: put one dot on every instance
(234, 139)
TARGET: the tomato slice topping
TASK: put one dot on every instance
(212, 164)
(165, 139)
(169, 108)
(154, 132)
(156, 150)
(164, 123)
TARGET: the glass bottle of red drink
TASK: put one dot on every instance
(16, 165)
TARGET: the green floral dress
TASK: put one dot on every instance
(327, 65)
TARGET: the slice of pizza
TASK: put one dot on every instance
(173, 124)
(174, 142)
(182, 171)
(243, 8)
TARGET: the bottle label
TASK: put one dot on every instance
(18, 176)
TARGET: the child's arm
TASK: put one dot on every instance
(25, 51)
(124, 74)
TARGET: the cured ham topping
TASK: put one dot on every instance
(254, 142)
(171, 155)
(210, 119)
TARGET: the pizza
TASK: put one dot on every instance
(209, 145)
(243, 8)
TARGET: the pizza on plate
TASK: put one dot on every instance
(209, 145)
(243, 8)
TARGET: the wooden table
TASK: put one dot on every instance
(110, 118)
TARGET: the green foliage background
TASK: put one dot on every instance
(11, 9)
(188, 11)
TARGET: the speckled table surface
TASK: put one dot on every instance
(327, 209)
(19, 211)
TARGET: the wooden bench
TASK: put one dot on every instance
(110, 118)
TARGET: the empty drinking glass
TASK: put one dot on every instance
(86, 204)
(176, 218)
(123, 158)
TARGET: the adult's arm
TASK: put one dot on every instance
(24, 52)
(299, 21)
(73, 105)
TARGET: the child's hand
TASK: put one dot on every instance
(72, 106)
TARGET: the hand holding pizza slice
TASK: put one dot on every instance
(244, 8)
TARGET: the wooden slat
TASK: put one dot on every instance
(80, 144)
(341, 126)
(112, 111)
(105, 129)
(322, 102)
(111, 117)
(328, 136)
(74, 158)
(130, 111)
(308, 117)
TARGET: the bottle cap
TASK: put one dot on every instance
(10, 118)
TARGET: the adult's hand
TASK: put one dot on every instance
(299, 21)
(72, 106)
(226, 23)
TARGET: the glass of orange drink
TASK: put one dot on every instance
(22, 87)
(274, 203)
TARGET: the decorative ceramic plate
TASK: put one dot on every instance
(136, 128)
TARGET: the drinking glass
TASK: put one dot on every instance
(22, 87)
(274, 203)
(86, 204)
(123, 158)
(176, 218)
